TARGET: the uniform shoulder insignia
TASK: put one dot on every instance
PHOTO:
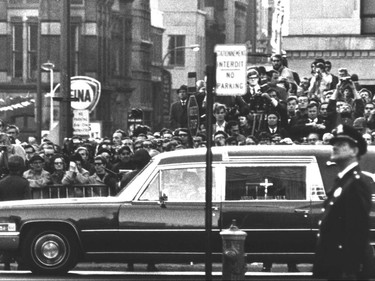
(368, 174)
(337, 192)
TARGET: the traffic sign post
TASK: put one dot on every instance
(192, 83)
(230, 80)
(231, 61)
(193, 115)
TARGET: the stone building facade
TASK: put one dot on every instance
(340, 31)
(110, 41)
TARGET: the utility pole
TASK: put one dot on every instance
(66, 126)
(211, 83)
(39, 102)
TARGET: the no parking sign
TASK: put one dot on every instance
(231, 62)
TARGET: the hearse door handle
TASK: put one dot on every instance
(215, 208)
(302, 211)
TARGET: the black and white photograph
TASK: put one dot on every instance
(187, 140)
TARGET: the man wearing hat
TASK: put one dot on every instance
(343, 250)
(220, 138)
(36, 175)
(178, 112)
(185, 137)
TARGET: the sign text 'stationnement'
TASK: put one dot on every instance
(231, 64)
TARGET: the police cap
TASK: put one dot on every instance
(350, 134)
(252, 73)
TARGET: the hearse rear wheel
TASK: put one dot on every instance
(50, 251)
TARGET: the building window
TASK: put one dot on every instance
(209, 3)
(368, 16)
(32, 45)
(117, 47)
(220, 5)
(77, 2)
(116, 55)
(74, 42)
(19, 2)
(177, 52)
(24, 50)
(17, 48)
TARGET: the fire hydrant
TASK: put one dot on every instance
(234, 257)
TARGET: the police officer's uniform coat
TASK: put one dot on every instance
(343, 243)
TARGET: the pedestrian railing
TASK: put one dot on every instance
(70, 191)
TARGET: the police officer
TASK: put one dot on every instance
(343, 250)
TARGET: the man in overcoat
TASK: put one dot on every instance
(343, 251)
(178, 111)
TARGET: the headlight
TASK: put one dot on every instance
(10, 226)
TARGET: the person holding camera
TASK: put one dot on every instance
(320, 81)
(252, 101)
(343, 107)
(333, 78)
(75, 174)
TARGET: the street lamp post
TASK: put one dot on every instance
(194, 47)
(49, 66)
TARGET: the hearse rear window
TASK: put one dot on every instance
(266, 183)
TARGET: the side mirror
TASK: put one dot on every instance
(162, 200)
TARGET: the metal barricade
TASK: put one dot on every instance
(70, 191)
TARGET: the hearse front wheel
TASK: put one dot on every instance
(50, 251)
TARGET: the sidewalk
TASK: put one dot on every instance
(216, 267)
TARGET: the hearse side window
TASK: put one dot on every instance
(266, 183)
(181, 185)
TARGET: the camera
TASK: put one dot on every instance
(346, 79)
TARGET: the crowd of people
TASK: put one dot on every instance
(278, 108)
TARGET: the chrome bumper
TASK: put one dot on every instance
(9, 240)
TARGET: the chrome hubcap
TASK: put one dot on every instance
(50, 250)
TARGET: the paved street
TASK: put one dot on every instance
(116, 271)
